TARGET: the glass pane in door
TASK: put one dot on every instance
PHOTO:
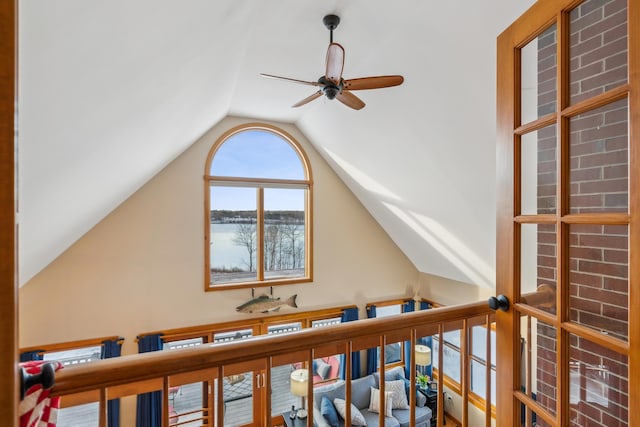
(538, 76)
(237, 394)
(538, 269)
(599, 150)
(599, 278)
(597, 47)
(538, 366)
(598, 385)
(538, 171)
(289, 385)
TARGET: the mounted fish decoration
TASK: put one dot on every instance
(265, 303)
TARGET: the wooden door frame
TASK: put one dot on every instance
(531, 23)
(9, 397)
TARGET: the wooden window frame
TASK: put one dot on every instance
(259, 184)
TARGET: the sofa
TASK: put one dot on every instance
(328, 401)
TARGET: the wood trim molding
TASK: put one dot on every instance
(8, 273)
(192, 331)
(69, 345)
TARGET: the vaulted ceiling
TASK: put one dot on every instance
(111, 92)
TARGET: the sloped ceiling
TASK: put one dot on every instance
(111, 92)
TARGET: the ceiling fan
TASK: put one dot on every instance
(332, 85)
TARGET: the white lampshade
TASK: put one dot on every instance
(423, 355)
(299, 381)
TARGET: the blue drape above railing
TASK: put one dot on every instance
(149, 408)
(409, 306)
(28, 356)
(372, 353)
(349, 315)
(112, 348)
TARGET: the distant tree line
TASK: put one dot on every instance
(224, 216)
(283, 245)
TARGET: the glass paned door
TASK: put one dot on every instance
(568, 199)
(243, 392)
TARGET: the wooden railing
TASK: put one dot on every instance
(134, 374)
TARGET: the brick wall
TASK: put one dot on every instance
(598, 182)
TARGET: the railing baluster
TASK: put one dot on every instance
(220, 402)
(440, 374)
(102, 407)
(487, 367)
(464, 375)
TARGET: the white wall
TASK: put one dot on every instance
(141, 269)
(450, 292)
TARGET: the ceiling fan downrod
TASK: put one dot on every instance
(331, 22)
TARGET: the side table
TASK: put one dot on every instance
(293, 422)
(432, 403)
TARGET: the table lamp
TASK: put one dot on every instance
(299, 386)
(422, 356)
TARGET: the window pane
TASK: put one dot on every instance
(597, 47)
(451, 362)
(284, 232)
(190, 342)
(257, 154)
(326, 322)
(538, 80)
(538, 163)
(284, 329)
(287, 385)
(479, 381)
(599, 150)
(233, 237)
(237, 394)
(539, 371)
(76, 356)
(232, 335)
(538, 271)
(392, 352)
(479, 343)
(599, 385)
(599, 278)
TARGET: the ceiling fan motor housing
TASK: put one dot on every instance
(329, 88)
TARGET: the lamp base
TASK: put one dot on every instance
(302, 413)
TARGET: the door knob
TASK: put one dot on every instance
(499, 303)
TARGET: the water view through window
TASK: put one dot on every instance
(258, 210)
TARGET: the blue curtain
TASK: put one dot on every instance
(409, 306)
(372, 353)
(149, 411)
(112, 348)
(28, 356)
(349, 315)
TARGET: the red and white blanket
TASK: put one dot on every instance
(37, 409)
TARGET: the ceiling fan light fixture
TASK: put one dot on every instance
(331, 91)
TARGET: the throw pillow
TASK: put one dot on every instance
(399, 394)
(421, 399)
(374, 402)
(357, 419)
(322, 368)
(328, 411)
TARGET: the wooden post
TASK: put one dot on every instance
(8, 277)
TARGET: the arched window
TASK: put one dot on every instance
(258, 192)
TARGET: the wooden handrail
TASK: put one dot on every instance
(146, 366)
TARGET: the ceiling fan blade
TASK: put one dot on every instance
(350, 100)
(373, 82)
(335, 63)
(308, 99)
(304, 82)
